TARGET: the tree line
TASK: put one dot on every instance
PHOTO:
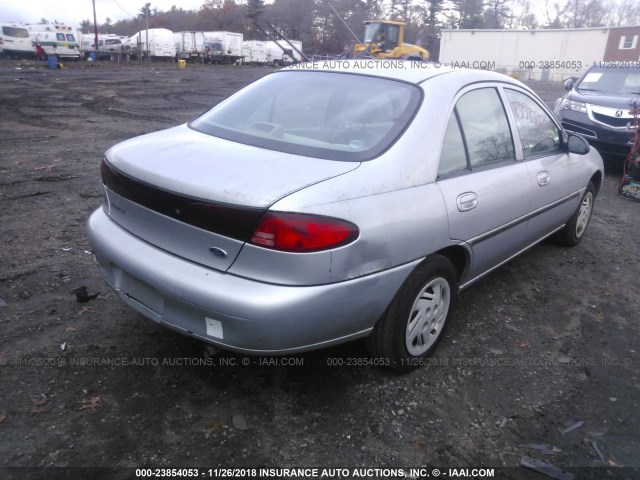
(322, 31)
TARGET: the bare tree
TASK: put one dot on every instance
(374, 8)
(86, 26)
(107, 25)
(622, 12)
(468, 13)
(522, 16)
(584, 13)
(294, 19)
(553, 13)
(497, 13)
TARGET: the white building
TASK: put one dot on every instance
(540, 54)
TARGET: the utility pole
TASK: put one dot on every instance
(95, 27)
(147, 6)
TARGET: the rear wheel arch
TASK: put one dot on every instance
(459, 257)
(417, 317)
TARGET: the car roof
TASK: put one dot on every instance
(410, 71)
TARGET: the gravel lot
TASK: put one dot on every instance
(542, 359)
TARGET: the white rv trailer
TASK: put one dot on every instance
(56, 39)
(15, 41)
(160, 43)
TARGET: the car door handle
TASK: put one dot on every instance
(543, 179)
(467, 201)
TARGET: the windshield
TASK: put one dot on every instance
(623, 81)
(383, 34)
(370, 31)
(329, 115)
(214, 46)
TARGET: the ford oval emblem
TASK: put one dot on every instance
(218, 252)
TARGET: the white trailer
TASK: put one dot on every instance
(281, 53)
(223, 47)
(255, 51)
(189, 45)
(547, 54)
(15, 41)
(160, 43)
(56, 39)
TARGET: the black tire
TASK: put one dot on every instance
(573, 231)
(391, 339)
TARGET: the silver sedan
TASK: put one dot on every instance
(336, 201)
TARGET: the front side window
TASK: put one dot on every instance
(371, 31)
(485, 128)
(539, 135)
(70, 37)
(328, 115)
(392, 40)
(477, 135)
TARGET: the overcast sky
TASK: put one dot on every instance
(72, 12)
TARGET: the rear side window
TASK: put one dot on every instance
(478, 134)
(485, 126)
(60, 36)
(453, 158)
(329, 115)
(539, 135)
(15, 32)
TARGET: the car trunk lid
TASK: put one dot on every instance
(198, 196)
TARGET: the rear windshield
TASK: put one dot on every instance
(329, 115)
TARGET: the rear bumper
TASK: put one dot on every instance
(232, 312)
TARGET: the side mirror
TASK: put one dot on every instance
(578, 145)
(568, 84)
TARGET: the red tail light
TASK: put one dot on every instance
(301, 233)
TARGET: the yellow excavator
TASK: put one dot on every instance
(385, 39)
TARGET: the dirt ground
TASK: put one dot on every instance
(542, 359)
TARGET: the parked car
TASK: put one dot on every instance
(318, 206)
(597, 106)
